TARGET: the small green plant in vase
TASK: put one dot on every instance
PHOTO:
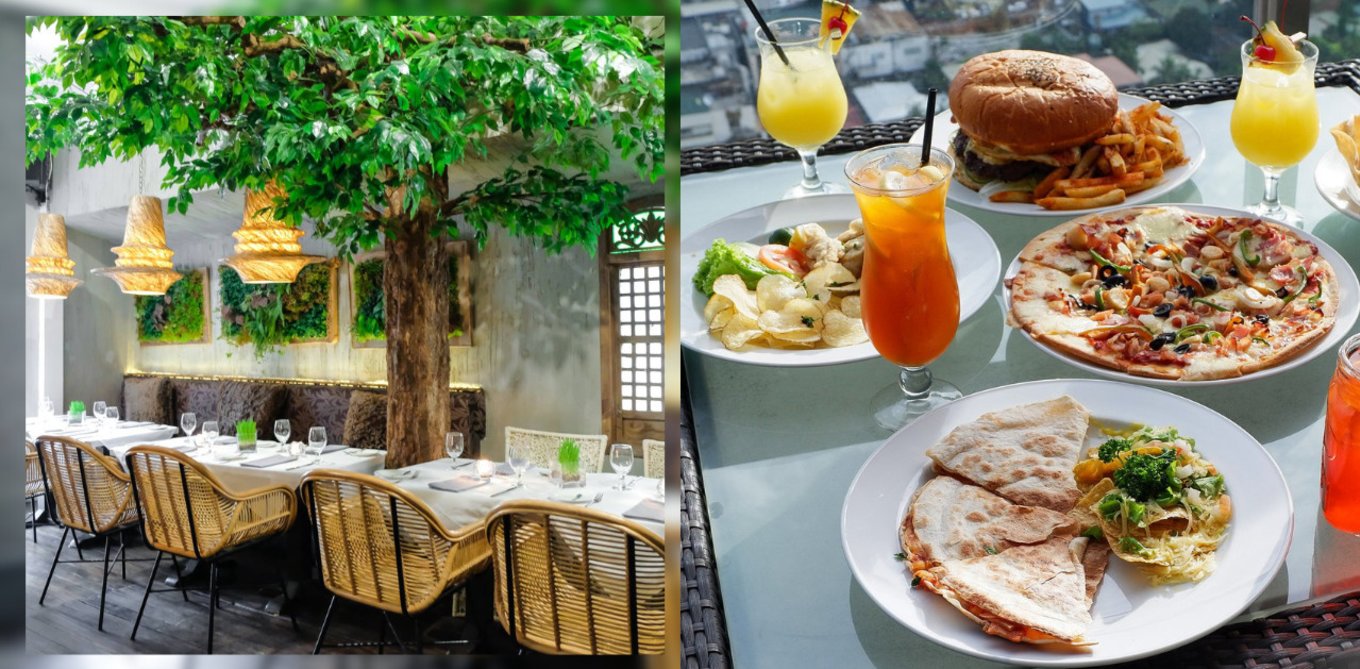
(76, 413)
(245, 435)
(569, 464)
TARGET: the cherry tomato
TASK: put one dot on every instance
(781, 258)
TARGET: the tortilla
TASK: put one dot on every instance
(951, 520)
(1023, 453)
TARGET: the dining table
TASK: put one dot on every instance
(777, 447)
(105, 434)
(237, 470)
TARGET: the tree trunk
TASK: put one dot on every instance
(415, 281)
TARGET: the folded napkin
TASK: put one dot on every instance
(268, 461)
(128, 424)
(647, 509)
(504, 469)
(458, 483)
(331, 448)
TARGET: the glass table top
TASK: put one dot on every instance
(780, 446)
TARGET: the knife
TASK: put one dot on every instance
(502, 492)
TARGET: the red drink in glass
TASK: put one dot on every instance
(1341, 442)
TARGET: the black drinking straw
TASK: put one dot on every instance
(930, 124)
(769, 34)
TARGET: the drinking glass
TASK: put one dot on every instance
(282, 430)
(45, 409)
(99, 408)
(453, 445)
(621, 460)
(112, 414)
(187, 423)
(1341, 442)
(518, 459)
(210, 434)
(909, 298)
(801, 102)
(1275, 121)
(316, 443)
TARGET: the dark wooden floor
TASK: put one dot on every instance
(67, 621)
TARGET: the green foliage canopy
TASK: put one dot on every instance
(360, 119)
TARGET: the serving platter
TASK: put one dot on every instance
(1334, 182)
(977, 266)
(1130, 617)
(1347, 312)
(945, 128)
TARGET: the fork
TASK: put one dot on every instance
(598, 496)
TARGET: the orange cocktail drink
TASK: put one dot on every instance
(908, 293)
(1341, 442)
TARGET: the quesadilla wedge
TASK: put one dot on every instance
(952, 520)
(1024, 453)
(1026, 594)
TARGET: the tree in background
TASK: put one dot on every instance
(1171, 71)
(363, 120)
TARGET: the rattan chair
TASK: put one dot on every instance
(91, 495)
(653, 459)
(187, 512)
(543, 447)
(570, 580)
(33, 485)
(380, 546)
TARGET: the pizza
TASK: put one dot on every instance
(1166, 293)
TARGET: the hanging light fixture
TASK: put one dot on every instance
(267, 249)
(143, 266)
(50, 273)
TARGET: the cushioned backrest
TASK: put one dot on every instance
(326, 406)
(199, 397)
(149, 399)
(366, 422)
(261, 402)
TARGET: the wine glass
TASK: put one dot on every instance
(518, 459)
(621, 460)
(316, 443)
(210, 434)
(282, 430)
(453, 446)
(908, 294)
(800, 100)
(112, 414)
(1275, 121)
(99, 408)
(45, 409)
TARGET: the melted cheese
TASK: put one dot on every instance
(1164, 224)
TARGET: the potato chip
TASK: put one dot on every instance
(743, 299)
(775, 290)
(831, 277)
(721, 319)
(807, 339)
(740, 331)
(799, 316)
(716, 305)
(841, 330)
(850, 306)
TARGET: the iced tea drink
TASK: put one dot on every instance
(1341, 442)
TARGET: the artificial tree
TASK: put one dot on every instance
(363, 120)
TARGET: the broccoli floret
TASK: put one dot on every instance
(1146, 477)
(723, 258)
(1113, 447)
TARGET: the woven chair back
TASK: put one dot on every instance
(33, 478)
(182, 510)
(543, 447)
(90, 493)
(378, 545)
(653, 458)
(578, 581)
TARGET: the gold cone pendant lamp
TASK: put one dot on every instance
(267, 249)
(50, 273)
(143, 266)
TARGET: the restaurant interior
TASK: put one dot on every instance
(299, 398)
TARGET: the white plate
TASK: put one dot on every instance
(959, 194)
(977, 266)
(1345, 315)
(395, 474)
(1131, 618)
(1334, 182)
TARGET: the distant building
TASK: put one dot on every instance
(1117, 70)
(886, 40)
(1101, 15)
(889, 101)
(700, 124)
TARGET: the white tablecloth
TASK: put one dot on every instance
(125, 433)
(459, 509)
(228, 469)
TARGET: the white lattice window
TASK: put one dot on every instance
(632, 313)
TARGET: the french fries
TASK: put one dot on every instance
(1133, 156)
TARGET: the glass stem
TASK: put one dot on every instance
(1270, 200)
(810, 179)
(915, 382)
